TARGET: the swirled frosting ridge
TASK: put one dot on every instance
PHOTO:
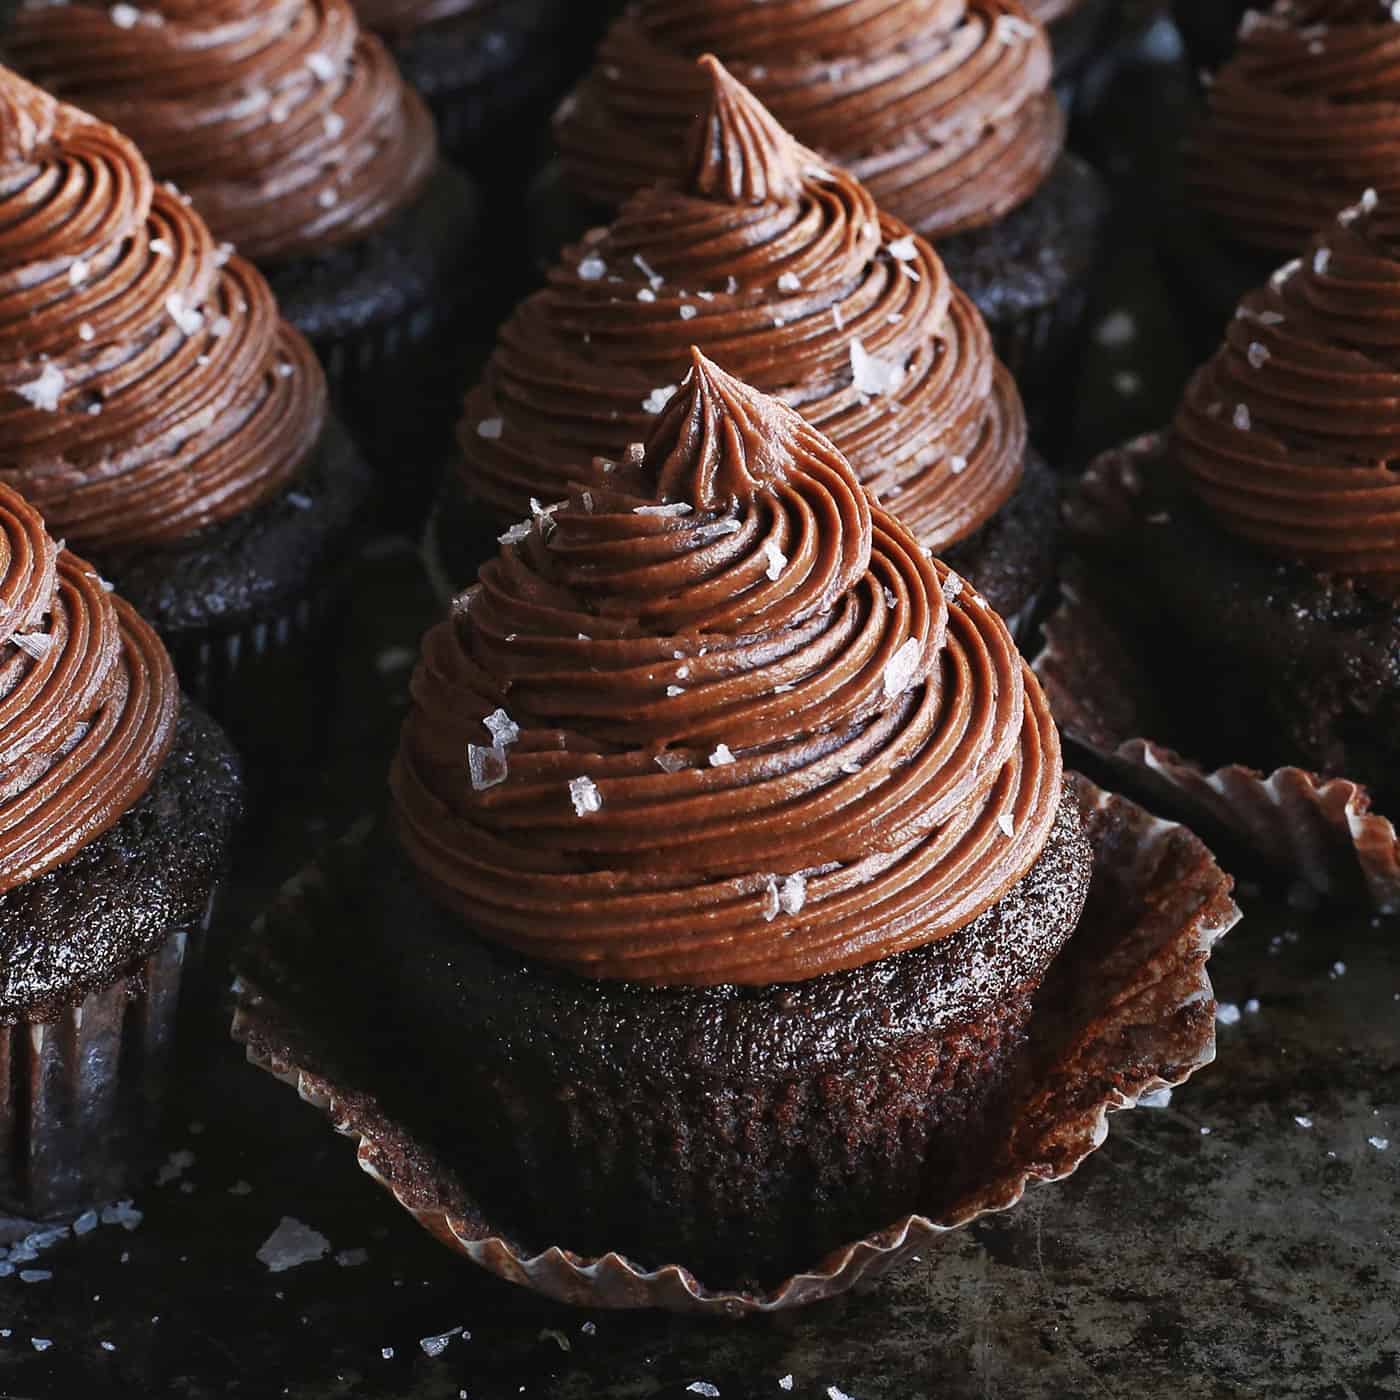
(1289, 435)
(147, 386)
(722, 720)
(290, 129)
(88, 700)
(942, 108)
(783, 267)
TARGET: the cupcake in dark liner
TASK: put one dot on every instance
(116, 817)
(301, 145)
(786, 268)
(1251, 558)
(945, 112)
(1295, 128)
(744, 907)
(165, 420)
(489, 69)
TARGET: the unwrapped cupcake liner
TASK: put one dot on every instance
(81, 1094)
(1319, 831)
(1125, 1011)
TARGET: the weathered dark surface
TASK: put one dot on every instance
(1259, 1259)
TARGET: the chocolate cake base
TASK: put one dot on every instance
(92, 960)
(391, 318)
(1258, 661)
(248, 608)
(744, 1131)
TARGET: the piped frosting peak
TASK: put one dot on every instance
(739, 152)
(716, 718)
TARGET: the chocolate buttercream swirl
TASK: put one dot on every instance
(1303, 117)
(88, 700)
(942, 107)
(290, 129)
(1289, 434)
(722, 721)
(784, 269)
(147, 386)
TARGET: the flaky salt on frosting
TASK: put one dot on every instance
(722, 721)
(147, 386)
(291, 130)
(1303, 117)
(942, 107)
(1290, 434)
(783, 268)
(88, 700)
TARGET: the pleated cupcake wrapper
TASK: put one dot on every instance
(1307, 828)
(1126, 1010)
(81, 1094)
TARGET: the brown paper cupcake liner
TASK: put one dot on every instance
(1317, 830)
(81, 1095)
(1126, 1010)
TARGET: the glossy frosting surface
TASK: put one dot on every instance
(88, 700)
(147, 385)
(782, 267)
(1290, 434)
(1302, 119)
(290, 129)
(722, 720)
(942, 108)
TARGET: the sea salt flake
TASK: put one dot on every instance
(487, 766)
(292, 1244)
(792, 894)
(671, 508)
(86, 1223)
(721, 756)
(772, 903)
(122, 1213)
(873, 375)
(1339, 969)
(592, 269)
(1010, 29)
(1379, 1143)
(903, 249)
(789, 282)
(659, 398)
(673, 690)
(777, 560)
(585, 795)
(322, 66)
(1302, 1120)
(328, 197)
(160, 246)
(124, 16)
(436, 1345)
(1227, 1013)
(45, 391)
(785, 1382)
(1258, 355)
(220, 327)
(41, 1343)
(957, 465)
(1242, 419)
(703, 1388)
(33, 644)
(502, 728)
(717, 529)
(850, 766)
(671, 762)
(647, 271)
(1007, 823)
(516, 533)
(645, 294)
(902, 668)
(187, 318)
(107, 1346)
(1116, 330)
(86, 332)
(1322, 260)
(1251, 1007)
(952, 587)
(688, 313)
(490, 428)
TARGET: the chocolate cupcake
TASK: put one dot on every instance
(1252, 554)
(488, 69)
(785, 268)
(162, 417)
(1297, 125)
(742, 904)
(116, 812)
(300, 144)
(943, 110)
